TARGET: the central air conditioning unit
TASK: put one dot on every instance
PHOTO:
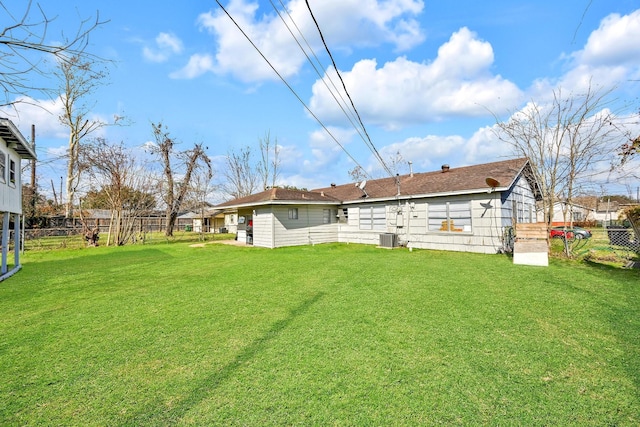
(388, 240)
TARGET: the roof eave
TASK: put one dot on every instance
(425, 195)
(282, 202)
(16, 140)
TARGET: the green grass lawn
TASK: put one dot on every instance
(318, 335)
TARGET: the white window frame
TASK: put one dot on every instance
(12, 171)
(373, 218)
(293, 213)
(3, 167)
(450, 217)
(326, 216)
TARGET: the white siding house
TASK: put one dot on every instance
(568, 213)
(13, 148)
(463, 209)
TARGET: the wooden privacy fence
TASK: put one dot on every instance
(532, 244)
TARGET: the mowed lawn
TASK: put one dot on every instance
(349, 335)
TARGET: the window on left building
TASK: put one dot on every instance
(3, 167)
(12, 171)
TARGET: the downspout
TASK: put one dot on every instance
(273, 228)
(409, 214)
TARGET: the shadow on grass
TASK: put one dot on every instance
(158, 415)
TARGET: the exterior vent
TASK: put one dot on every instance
(388, 240)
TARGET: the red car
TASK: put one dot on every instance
(570, 233)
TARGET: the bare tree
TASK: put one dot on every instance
(630, 149)
(269, 164)
(173, 190)
(357, 173)
(397, 164)
(200, 189)
(79, 79)
(24, 43)
(125, 186)
(240, 174)
(569, 141)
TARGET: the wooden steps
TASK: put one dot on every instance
(532, 244)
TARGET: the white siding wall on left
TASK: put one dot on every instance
(263, 230)
(10, 192)
(308, 228)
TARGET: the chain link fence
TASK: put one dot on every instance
(623, 237)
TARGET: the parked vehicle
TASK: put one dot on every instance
(569, 233)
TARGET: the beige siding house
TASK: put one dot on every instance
(458, 209)
(13, 149)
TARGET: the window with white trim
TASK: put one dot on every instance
(293, 213)
(373, 218)
(3, 167)
(326, 216)
(450, 217)
(12, 171)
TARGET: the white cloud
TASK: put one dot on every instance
(343, 23)
(44, 113)
(165, 45)
(610, 56)
(198, 64)
(457, 83)
(615, 42)
(425, 152)
(485, 146)
(325, 151)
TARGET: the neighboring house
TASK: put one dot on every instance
(568, 213)
(459, 209)
(606, 212)
(209, 221)
(13, 149)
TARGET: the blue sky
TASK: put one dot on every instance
(425, 76)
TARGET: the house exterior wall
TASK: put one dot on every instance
(231, 222)
(518, 204)
(10, 184)
(263, 229)
(490, 213)
(564, 212)
(308, 229)
(483, 234)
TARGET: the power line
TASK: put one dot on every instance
(350, 116)
(344, 86)
(287, 84)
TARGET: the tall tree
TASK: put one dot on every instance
(241, 177)
(569, 141)
(79, 79)
(269, 164)
(176, 163)
(24, 45)
(125, 189)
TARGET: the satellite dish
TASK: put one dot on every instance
(361, 187)
(492, 182)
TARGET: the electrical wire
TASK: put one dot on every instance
(287, 84)
(350, 115)
(368, 138)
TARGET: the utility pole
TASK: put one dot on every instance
(34, 190)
